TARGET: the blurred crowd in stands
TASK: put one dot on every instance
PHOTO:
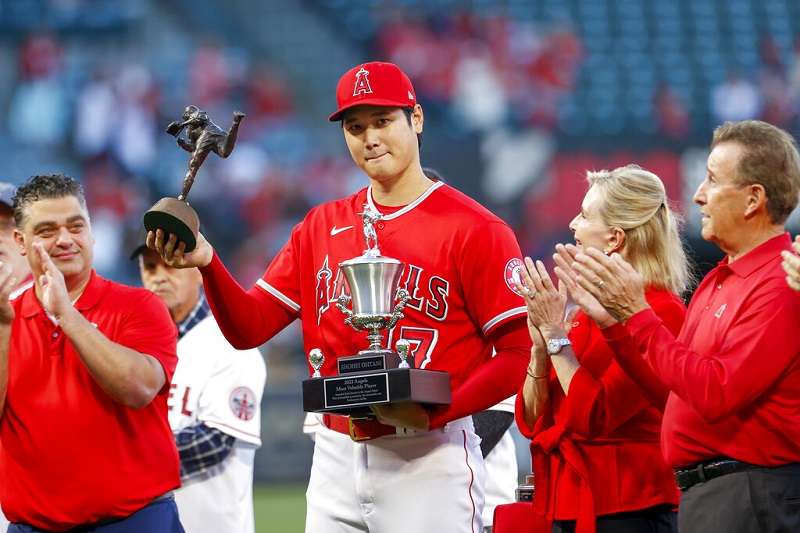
(485, 71)
(105, 112)
(112, 125)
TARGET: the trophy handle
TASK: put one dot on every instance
(341, 305)
(402, 297)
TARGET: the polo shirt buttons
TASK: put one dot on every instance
(54, 335)
(719, 286)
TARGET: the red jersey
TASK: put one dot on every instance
(734, 370)
(596, 450)
(71, 455)
(460, 262)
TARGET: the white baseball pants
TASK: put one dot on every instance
(428, 482)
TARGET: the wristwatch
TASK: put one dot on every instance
(554, 345)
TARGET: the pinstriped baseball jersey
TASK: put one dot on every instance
(221, 387)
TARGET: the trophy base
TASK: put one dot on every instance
(352, 394)
(174, 216)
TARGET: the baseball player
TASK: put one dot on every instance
(214, 405)
(411, 467)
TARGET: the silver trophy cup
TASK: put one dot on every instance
(373, 281)
(377, 302)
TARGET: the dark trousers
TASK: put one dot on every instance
(161, 516)
(660, 519)
(763, 500)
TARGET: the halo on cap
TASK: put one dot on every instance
(376, 83)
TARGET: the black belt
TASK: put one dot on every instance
(688, 477)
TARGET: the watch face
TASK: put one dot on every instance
(554, 345)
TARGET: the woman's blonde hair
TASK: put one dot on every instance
(634, 200)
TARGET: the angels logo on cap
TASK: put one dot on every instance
(377, 83)
(362, 83)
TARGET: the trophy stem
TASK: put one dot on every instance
(375, 338)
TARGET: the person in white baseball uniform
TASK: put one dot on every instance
(214, 406)
(9, 254)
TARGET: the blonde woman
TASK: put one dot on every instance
(594, 427)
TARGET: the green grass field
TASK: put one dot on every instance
(279, 508)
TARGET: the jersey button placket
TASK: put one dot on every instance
(722, 275)
(55, 342)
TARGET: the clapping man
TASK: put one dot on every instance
(731, 424)
(85, 365)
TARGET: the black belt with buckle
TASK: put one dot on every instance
(705, 471)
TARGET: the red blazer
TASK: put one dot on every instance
(596, 451)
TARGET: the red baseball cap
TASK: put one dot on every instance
(375, 83)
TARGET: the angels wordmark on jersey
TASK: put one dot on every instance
(458, 256)
(432, 299)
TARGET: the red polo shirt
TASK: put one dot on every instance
(595, 451)
(71, 455)
(734, 370)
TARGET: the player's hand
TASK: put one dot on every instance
(55, 298)
(612, 281)
(546, 303)
(791, 265)
(564, 257)
(175, 256)
(409, 415)
(7, 284)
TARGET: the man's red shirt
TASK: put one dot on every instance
(71, 455)
(734, 369)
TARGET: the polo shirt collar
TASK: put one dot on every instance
(91, 295)
(759, 256)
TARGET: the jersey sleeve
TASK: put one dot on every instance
(231, 400)
(491, 260)
(281, 280)
(149, 329)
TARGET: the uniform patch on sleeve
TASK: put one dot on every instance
(243, 403)
(512, 274)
